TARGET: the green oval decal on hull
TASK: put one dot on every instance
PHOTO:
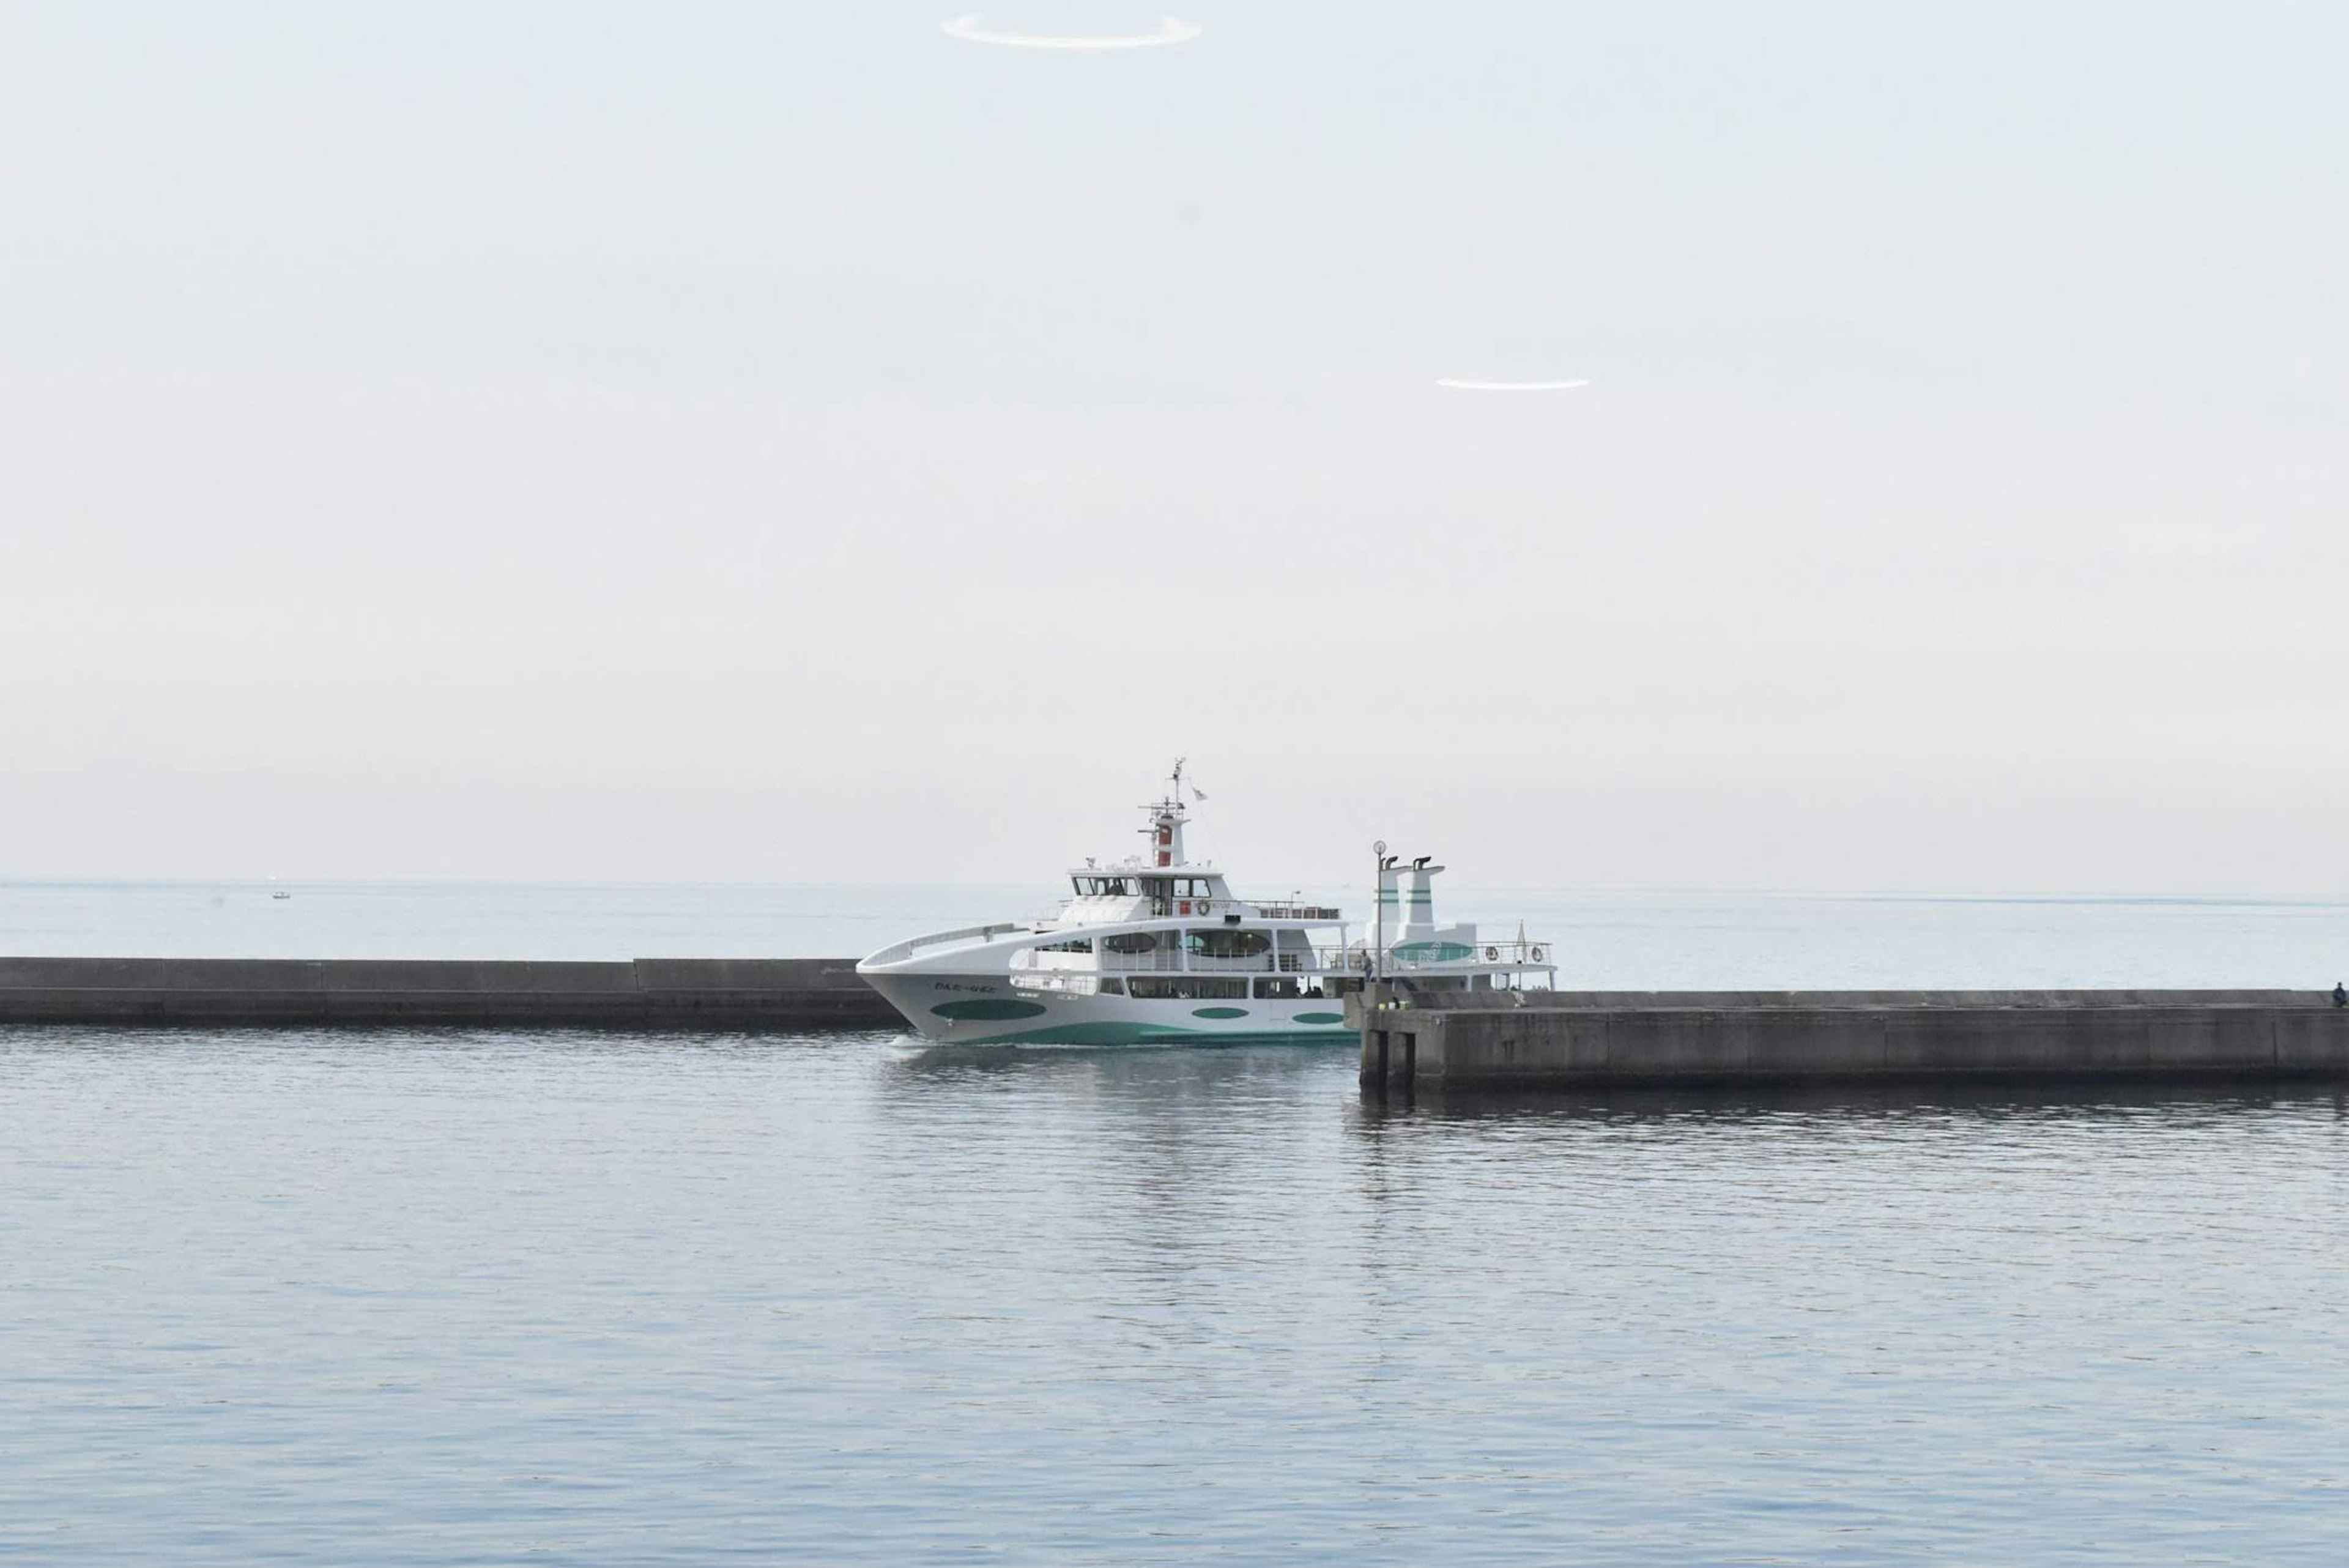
(1318, 1018)
(1219, 1012)
(987, 1007)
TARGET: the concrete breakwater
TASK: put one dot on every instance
(635, 993)
(1599, 1038)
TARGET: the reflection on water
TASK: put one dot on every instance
(2083, 1095)
(455, 1297)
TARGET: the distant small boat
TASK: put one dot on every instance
(281, 893)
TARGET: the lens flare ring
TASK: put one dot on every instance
(972, 28)
(1460, 386)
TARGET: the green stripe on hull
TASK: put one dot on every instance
(988, 1008)
(1091, 1034)
(1149, 1034)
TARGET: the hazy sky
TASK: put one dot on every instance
(784, 441)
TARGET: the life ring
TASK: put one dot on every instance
(1538, 955)
(1492, 955)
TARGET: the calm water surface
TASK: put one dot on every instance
(470, 1298)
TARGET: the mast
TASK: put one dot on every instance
(1165, 829)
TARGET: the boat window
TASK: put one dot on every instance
(1078, 945)
(1279, 986)
(1113, 987)
(1187, 988)
(1226, 943)
(1131, 942)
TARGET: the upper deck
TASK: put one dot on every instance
(1114, 895)
(1239, 945)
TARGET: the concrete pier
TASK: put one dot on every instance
(1572, 1039)
(729, 994)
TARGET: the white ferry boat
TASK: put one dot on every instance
(1157, 949)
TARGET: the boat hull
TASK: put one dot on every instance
(978, 1009)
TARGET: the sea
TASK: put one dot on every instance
(467, 1297)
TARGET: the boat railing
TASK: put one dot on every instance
(1195, 909)
(1429, 957)
(1164, 961)
(1282, 910)
(1438, 955)
(907, 949)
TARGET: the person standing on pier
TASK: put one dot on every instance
(2340, 997)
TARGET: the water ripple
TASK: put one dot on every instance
(443, 1298)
